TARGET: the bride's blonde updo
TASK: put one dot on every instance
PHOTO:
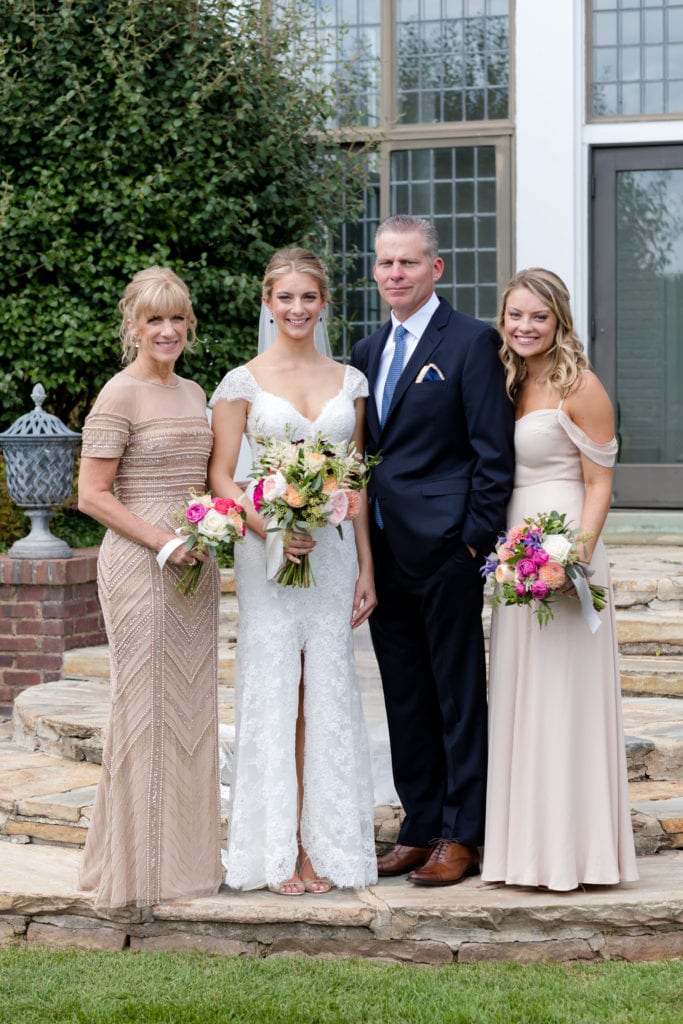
(156, 291)
(295, 260)
(568, 359)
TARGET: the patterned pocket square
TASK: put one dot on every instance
(429, 372)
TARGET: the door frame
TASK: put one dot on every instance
(636, 485)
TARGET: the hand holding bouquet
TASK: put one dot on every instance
(208, 523)
(304, 485)
(535, 560)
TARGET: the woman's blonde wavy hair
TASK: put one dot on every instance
(568, 359)
(156, 291)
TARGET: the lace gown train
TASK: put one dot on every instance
(277, 626)
(557, 810)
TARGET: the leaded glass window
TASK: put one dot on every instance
(637, 57)
(452, 60)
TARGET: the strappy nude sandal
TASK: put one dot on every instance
(316, 885)
(292, 887)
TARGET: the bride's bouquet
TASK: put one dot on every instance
(534, 560)
(208, 524)
(304, 485)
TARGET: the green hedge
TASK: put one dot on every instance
(135, 132)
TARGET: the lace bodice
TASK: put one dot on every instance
(272, 415)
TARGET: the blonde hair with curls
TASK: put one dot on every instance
(295, 260)
(568, 359)
(157, 291)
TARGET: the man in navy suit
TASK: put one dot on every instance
(438, 498)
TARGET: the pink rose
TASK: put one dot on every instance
(540, 556)
(336, 508)
(520, 589)
(515, 534)
(526, 567)
(223, 505)
(195, 513)
(539, 589)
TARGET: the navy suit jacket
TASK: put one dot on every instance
(447, 446)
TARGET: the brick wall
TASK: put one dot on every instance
(47, 606)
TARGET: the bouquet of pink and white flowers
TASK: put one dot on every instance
(209, 524)
(304, 485)
(534, 560)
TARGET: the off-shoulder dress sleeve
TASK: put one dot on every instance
(602, 454)
(356, 383)
(108, 426)
(237, 384)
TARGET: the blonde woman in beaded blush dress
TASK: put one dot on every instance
(155, 829)
(557, 809)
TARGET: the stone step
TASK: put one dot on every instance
(40, 903)
(64, 722)
(93, 662)
(644, 675)
(650, 631)
(48, 799)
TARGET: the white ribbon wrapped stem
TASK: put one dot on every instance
(593, 620)
(275, 551)
(167, 549)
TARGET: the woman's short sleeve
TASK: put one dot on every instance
(356, 383)
(601, 454)
(235, 386)
(108, 426)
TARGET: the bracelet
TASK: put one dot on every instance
(167, 549)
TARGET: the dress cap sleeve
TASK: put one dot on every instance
(237, 384)
(356, 383)
(602, 454)
(108, 425)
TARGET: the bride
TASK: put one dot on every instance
(302, 807)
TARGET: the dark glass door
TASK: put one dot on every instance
(637, 315)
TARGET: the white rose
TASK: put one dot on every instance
(274, 486)
(505, 573)
(558, 548)
(214, 526)
(314, 460)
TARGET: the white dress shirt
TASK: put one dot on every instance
(416, 326)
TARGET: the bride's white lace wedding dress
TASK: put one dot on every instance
(277, 626)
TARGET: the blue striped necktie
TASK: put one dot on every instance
(395, 370)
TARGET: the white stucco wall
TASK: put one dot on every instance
(549, 157)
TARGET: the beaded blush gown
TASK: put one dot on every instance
(557, 812)
(155, 832)
(277, 625)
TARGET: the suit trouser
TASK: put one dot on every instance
(428, 639)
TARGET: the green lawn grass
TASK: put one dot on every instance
(37, 984)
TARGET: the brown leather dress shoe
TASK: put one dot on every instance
(449, 863)
(402, 859)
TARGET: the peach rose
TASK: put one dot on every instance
(354, 504)
(293, 497)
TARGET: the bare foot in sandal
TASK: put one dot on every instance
(294, 886)
(312, 882)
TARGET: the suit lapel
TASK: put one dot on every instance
(425, 346)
